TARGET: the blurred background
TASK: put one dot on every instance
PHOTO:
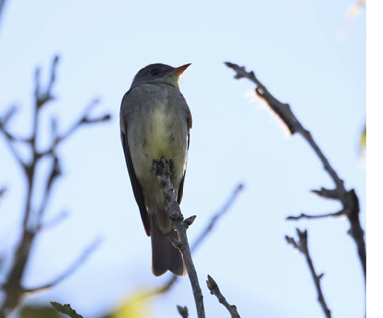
(310, 54)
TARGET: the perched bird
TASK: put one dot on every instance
(155, 123)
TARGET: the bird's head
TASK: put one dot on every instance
(159, 74)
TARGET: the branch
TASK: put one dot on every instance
(32, 217)
(83, 120)
(319, 216)
(215, 218)
(83, 257)
(3, 190)
(183, 311)
(214, 290)
(348, 199)
(163, 174)
(302, 247)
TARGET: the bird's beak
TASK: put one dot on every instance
(179, 70)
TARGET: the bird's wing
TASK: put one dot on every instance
(137, 190)
(181, 187)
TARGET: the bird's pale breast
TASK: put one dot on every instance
(157, 128)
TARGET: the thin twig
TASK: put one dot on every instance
(83, 257)
(183, 311)
(348, 199)
(84, 119)
(178, 223)
(3, 191)
(302, 247)
(2, 3)
(214, 290)
(319, 216)
(215, 218)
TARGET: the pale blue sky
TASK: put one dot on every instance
(297, 49)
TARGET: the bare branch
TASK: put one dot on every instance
(9, 138)
(215, 218)
(42, 98)
(163, 174)
(214, 290)
(52, 223)
(53, 175)
(303, 248)
(84, 119)
(12, 289)
(2, 4)
(319, 216)
(348, 199)
(83, 257)
(3, 190)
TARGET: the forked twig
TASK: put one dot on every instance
(348, 199)
(302, 247)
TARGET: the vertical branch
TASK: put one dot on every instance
(163, 175)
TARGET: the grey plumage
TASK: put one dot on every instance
(155, 123)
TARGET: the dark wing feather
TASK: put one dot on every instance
(137, 190)
(181, 187)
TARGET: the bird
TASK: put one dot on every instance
(155, 124)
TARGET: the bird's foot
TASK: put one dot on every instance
(163, 166)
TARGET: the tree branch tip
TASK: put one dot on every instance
(239, 188)
(229, 64)
(301, 234)
(189, 221)
(56, 59)
(103, 118)
(3, 190)
(289, 239)
(211, 283)
(8, 115)
(183, 311)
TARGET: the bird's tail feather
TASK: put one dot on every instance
(164, 255)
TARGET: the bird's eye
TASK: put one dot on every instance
(154, 72)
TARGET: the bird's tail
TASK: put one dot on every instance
(164, 255)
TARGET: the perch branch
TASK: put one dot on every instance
(163, 175)
(302, 247)
(200, 238)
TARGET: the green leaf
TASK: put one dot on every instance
(38, 312)
(66, 309)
